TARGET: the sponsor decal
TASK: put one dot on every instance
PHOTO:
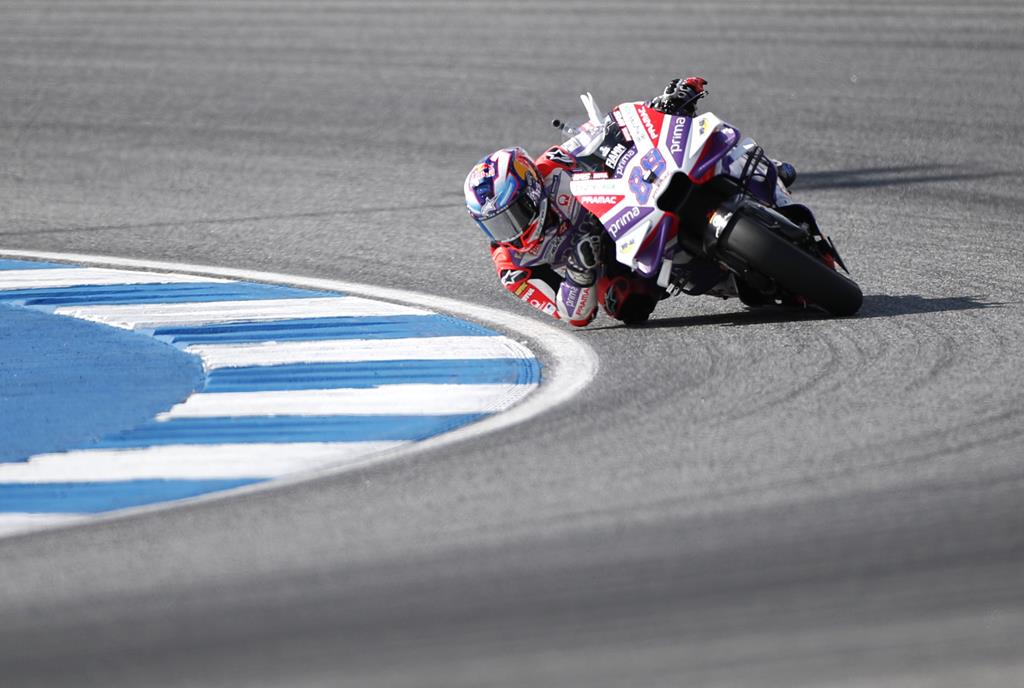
(628, 217)
(611, 300)
(660, 182)
(534, 189)
(651, 120)
(600, 199)
(677, 139)
(580, 307)
(561, 156)
(570, 295)
(613, 156)
(618, 225)
(584, 176)
(620, 169)
(510, 277)
(539, 301)
(573, 145)
(648, 124)
(521, 288)
(600, 204)
(622, 124)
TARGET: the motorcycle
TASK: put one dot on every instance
(696, 209)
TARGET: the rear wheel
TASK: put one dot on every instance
(797, 271)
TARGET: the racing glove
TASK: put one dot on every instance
(681, 96)
(582, 262)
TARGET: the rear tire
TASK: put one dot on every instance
(797, 271)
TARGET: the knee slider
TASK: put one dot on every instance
(626, 299)
(612, 292)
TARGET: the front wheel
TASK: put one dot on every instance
(795, 270)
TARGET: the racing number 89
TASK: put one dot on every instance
(653, 162)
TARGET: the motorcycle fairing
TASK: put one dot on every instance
(626, 202)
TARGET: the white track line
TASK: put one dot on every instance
(189, 462)
(16, 524)
(398, 400)
(146, 316)
(570, 364)
(354, 350)
(80, 277)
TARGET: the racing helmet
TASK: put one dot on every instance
(505, 197)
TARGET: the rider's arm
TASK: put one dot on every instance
(537, 286)
(555, 158)
(572, 298)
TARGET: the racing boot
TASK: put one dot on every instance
(786, 172)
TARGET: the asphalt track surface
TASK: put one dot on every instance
(739, 498)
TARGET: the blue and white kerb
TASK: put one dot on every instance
(294, 380)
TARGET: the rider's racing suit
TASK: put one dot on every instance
(566, 275)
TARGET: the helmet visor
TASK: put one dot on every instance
(511, 222)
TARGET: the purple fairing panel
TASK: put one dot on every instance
(678, 133)
(648, 259)
(718, 144)
(623, 221)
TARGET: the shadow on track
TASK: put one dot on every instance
(886, 176)
(757, 316)
(875, 306)
(885, 305)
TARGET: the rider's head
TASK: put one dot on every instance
(505, 196)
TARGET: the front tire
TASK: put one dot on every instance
(797, 271)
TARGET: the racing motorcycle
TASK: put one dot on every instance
(694, 207)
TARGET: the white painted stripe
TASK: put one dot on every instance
(72, 277)
(146, 316)
(400, 400)
(13, 523)
(189, 462)
(344, 350)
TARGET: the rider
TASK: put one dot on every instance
(548, 250)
